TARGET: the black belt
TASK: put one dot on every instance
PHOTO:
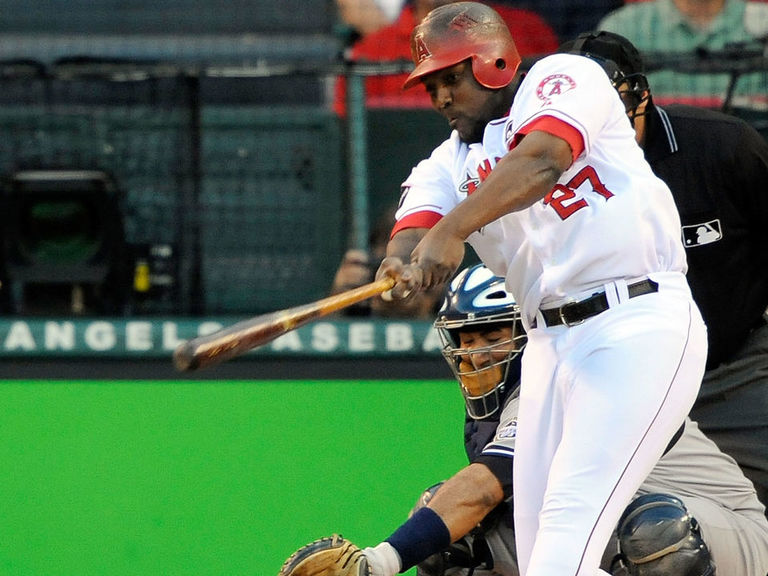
(576, 312)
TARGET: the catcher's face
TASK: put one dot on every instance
(481, 365)
(463, 101)
(483, 348)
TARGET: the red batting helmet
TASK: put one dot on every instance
(456, 32)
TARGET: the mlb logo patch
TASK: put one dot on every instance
(701, 234)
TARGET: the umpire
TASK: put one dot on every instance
(717, 168)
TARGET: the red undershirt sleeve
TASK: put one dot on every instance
(552, 125)
(425, 219)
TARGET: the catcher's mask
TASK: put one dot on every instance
(477, 302)
(620, 60)
(455, 32)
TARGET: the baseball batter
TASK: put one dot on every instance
(543, 177)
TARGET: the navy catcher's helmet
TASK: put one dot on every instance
(477, 301)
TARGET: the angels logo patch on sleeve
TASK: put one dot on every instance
(553, 86)
(701, 234)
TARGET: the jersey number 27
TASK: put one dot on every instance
(561, 197)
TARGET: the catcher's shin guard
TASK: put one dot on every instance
(333, 556)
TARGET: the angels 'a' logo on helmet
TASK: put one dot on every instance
(421, 50)
(478, 303)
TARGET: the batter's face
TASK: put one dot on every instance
(464, 102)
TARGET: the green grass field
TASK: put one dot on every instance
(151, 478)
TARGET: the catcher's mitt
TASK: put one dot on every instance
(334, 556)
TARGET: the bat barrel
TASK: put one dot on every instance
(184, 357)
(230, 342)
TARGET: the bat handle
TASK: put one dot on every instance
(355, 295)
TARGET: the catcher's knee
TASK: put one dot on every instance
(658, 537)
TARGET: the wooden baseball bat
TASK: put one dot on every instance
(243, 336)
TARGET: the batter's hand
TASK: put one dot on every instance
(408, 278)
(438, 255)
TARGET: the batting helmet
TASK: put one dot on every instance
(476, 301)
(456, 32)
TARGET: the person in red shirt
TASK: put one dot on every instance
(533, 37)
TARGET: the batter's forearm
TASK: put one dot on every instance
(502, 195)
(520, 179)
(402, 244)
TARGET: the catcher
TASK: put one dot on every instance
(695, 515)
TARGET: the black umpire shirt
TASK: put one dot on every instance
(717, 168)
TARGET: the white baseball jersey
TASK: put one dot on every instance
(593, 227)
(599, 401)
